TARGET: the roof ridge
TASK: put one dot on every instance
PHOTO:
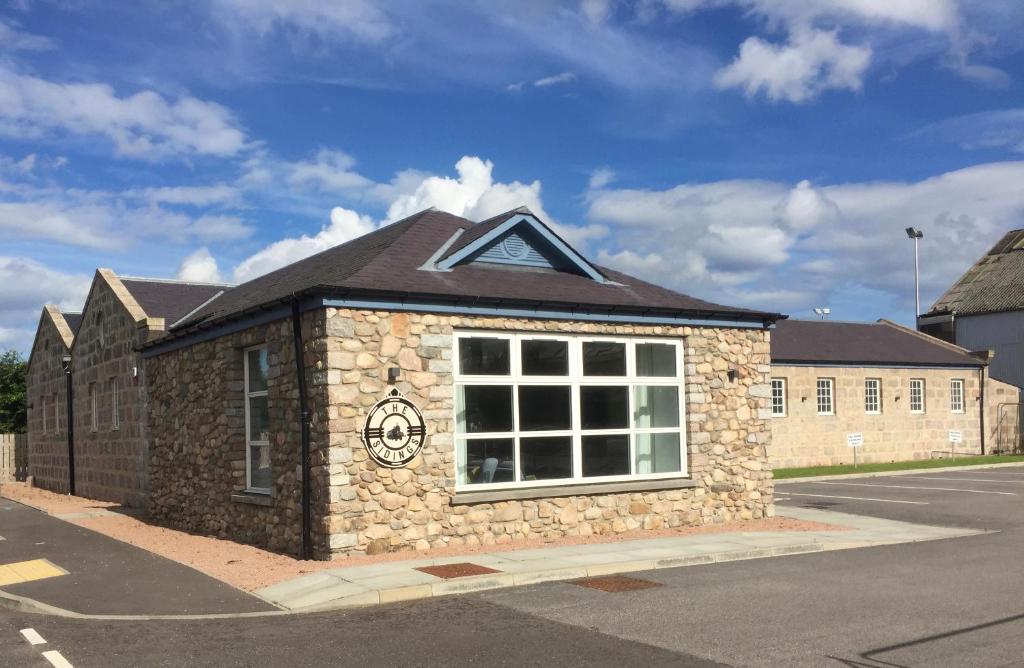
(175, 281)
(928, 338)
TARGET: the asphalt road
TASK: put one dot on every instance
(943, 603)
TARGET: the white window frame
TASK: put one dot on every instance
(115, 405)
(827, 385)
(779, 386)
(917, 383)
(872, 396)
(956, 395)
(575, 380)
(94, 408)
(249, 442)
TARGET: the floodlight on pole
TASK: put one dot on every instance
(822, 312)
(916, 235)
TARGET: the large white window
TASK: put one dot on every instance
(257, 421)
(535, 409)
(917, 395)
(872, 396)
(956, 395)
(779, 397)
(115, 405)
(825, 396)
(94, 408)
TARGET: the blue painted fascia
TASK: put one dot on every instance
(878, 365)
(567, 251)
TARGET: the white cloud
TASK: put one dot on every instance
(200, 266)
(562, 78)
(25, 285)
(811, 62)
(330, 170)
(78, 224)
(1002, 128)
(359, 19)
(189, 195)
(345, 225)
(601, 177)
(737, 240)
(12, 39)
(144, 125)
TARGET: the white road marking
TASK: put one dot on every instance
(1005, 482)
(57, 659)
(936, 489)
(33, 637)
(862, 498)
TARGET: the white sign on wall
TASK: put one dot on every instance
(855, 440)
(956, 436)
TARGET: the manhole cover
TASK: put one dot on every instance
(615, 583)
(461, 570)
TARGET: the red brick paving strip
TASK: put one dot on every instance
(615, 583)
(460, 570)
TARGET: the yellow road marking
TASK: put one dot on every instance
(27, 571)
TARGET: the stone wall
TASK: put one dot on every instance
(46, 387)
(804, 438)
(110, 459)
(373, 509)
(197, 438)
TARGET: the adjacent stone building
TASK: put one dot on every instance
(902, 394)
(462, 384)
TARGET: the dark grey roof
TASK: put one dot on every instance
(483, 227)
(995, 283)
(882, 342)
(388, 263)
(170, 300)
(74, 320)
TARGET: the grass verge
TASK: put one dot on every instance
(807, 472)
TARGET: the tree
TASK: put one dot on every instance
(13, 411)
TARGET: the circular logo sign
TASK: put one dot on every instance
(394, 431)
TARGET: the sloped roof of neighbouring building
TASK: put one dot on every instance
(995, 283)
(170, 300)
(74, 320)
(394, 262)
(861, 343)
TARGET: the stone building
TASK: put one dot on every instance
(906, 395)
(108, 386)
(440, 382)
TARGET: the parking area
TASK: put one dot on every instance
(976, 498)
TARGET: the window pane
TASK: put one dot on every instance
(655, 359)
(480, 356)
(604, 358)
(604, 407)
(484, 408)
(605, 455)
(259, 467)
(259, 419)
(258, 368)
(545, 358)
(657, 453)
(545, 407)
(486, 460)
(657, 406)
(546, 457)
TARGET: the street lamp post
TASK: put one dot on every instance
(916, 235)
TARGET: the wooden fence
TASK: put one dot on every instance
(13, 457)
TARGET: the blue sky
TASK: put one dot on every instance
(764, 153)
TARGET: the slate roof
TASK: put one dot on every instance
(480, 229)
(74, 320)
(995, 283)
(170, 300)
(866, 343)
(387, 263)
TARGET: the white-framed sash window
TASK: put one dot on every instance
(956, 395)
(115, 405)
(778, 397)
(825, 387)
(917, 395)
(258, 477)
(872, 396)
(543, 409)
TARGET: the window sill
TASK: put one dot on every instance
(253, 498)
(585, 489)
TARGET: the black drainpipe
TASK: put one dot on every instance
(307, 540)
(71, 425)
(981, 413)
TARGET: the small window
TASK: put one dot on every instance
(94, 409)
(917, 395)
(956, 395)
(46, 415)
(56, 413)
(825, 396)
(258, 476)
(778, 397)
(101, 333)
(873, 396)
(115, 405)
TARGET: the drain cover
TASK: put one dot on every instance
(615, 583)
(460, 570)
